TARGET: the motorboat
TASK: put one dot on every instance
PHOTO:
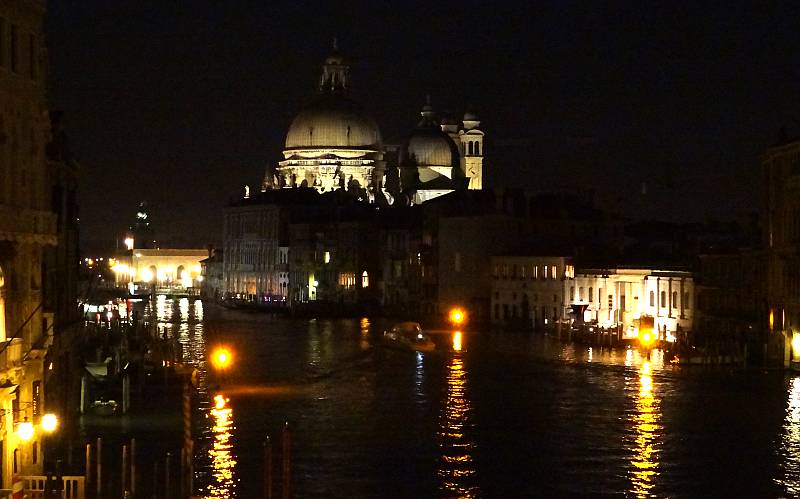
(408, 336)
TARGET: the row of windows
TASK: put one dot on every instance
(12, 43)
(674, 301)
(535, 297)
(529, 272)
(474, 148)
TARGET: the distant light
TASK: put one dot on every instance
(200, 278)
(457, 316)
(327, 257)
(316, 283)
(147, 275)
(129, 243)
(221, 358)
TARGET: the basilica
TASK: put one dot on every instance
(334, 144)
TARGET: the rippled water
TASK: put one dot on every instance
(491, 415)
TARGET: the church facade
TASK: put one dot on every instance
(333, 144)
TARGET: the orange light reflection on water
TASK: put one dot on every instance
(646, 419)
(456, 466)
(223, 461)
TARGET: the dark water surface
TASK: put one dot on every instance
(507, 416)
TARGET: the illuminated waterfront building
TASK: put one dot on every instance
(537, 291)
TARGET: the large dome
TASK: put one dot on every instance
(335, 121)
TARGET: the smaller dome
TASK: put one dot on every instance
(430, 147)
(428, 144)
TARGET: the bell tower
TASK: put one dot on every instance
(472, 149)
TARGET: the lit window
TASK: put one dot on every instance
(535, 272)
(327, 257)
(364, 279)
(544, 275)
(554, 273)
(523, 272)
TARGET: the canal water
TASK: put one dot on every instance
(490, 415)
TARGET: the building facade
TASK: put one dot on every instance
(781, 174)
(732, 300)
(28, 231)
(530, 291)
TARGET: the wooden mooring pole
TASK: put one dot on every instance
(287, 460)
(99, 474)
(267, 469)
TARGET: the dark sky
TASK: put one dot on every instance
(182, 103)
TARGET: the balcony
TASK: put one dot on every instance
(26, 225)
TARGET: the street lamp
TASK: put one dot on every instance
(25, 430)
(49, 423)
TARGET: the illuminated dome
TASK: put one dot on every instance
(333, 121)
(428, 145)
(431, 147)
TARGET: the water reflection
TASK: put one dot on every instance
(647, 430)
(364, 327)
(223, 461)
(790, 441)
(456, 465)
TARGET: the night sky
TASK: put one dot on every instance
(182, 103)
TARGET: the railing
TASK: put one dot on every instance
(34, 488)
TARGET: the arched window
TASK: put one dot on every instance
(471, 150)
(652, 299)
(663, 299)
(477, 148)
(591, 295)
(674, 299)
(364, 279)
(179, 271)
